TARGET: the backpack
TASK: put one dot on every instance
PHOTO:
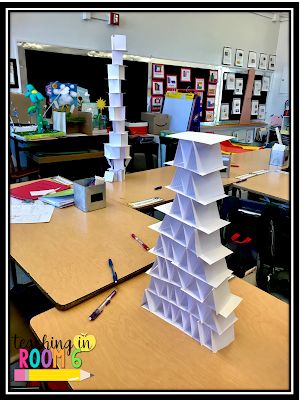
(274, 261)
(242, 235)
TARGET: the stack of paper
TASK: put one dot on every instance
(61, 199)
(189, 279)
(32, 212)
(117, 150)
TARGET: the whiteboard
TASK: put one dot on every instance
(179, 110)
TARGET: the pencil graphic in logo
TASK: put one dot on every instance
(72, 375)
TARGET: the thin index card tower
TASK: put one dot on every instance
(189, 279)
(117, 150)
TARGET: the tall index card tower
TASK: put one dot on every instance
(189, 279)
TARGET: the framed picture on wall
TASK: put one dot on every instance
(185, 75)
(211, 90)
(239, 58)
(272, 61)
(213, 76)
(224, 112)
(254, 107)
(199, 84)
(157, 87)
(265, 84)
(227, 54)
(263, 59)
(252, 59)
(209, 116)
(210, 103)
(13, 73)
(158, 71)
(157, 101)
(200, 95)
(171, 82)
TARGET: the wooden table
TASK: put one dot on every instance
(272, 184)
(140, 185)
(136, 350)
(67, 257)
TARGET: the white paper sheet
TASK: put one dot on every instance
(29, 213)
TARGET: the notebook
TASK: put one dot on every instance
(23, 192)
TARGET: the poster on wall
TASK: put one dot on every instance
(230, 81)
(185, 75)
(263, 58)
(210, 103)
(239, 58)
(213, 76)
(236, 106)
(224, 113)
(171, 82)
(261, 111)
(158, 71)
(211, 90)
(272, 61)
(227, 55)
(252, 59)
(157, 101)
(209, 116)
(199, 84)
(265, 84)
(254, 107)
(238, 86)
(257, 88)
(157, 87)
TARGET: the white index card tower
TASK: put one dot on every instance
(117, 150)
(189, 279)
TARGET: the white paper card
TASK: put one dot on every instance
(236, 106)
(254, 107)
(261, 111)
(118, 42)
(224, 113)
(238, 89)
(265, 84)
(257, 88)
(230, 81)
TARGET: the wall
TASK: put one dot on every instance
(185, 36)
(279, 91)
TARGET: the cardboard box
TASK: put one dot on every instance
(85, 127)
(157, 122)
(21, 103)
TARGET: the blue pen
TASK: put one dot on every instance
(114, 274)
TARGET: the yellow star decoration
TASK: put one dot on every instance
(101, 104)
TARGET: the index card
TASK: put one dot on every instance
(116, 71)
(257, 88)
(201, 137)
(116, 113)
(115, 99)
(117, 57)
(254, 107)
(265, 83)
(118, 42)
(109, 176)
(114, 86)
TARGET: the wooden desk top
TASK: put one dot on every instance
(272, 184)
(136, 350)
(140, 185)
(67, 257)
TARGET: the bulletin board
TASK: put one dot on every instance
(228, 96)
(90, 73)
(161, 78)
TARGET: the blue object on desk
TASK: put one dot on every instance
(114, 274)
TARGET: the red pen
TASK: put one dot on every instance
(140, 242)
